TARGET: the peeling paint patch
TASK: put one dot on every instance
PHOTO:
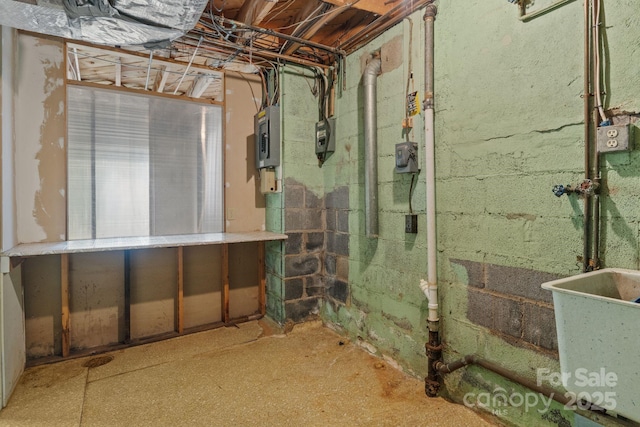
(402, 323)
(362, 343)
(40, 131)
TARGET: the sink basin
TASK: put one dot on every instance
(598, 325)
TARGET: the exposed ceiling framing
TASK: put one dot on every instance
(304, 31)
(138, 71)
(241, 35)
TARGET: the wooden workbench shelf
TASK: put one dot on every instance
(135, 258)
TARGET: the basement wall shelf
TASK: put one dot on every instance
(131, 269)
(146, 242)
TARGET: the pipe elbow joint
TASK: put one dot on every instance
(372, 70)
(430, 12)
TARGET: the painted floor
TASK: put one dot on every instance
(250, 375)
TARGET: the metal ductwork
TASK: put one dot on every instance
(371, 72)
(108, 22)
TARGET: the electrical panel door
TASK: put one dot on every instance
(267, 134)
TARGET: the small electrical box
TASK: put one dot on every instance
(614, 138)
(268, 180)
(411, 223)
(407, 157)
(267, 134)
(326, 138)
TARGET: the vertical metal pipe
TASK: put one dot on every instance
(587, 135)
(594, 159)
(371, 72)
(433, 346)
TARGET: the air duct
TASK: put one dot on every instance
(115, 22)
(371, 73)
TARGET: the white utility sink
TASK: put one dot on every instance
(598, 326)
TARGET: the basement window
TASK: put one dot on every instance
(140, 165)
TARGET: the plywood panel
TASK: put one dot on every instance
(96, 298)
(13, 338)
(154, 277)
(245, 205)
(243, 281)
(202, 285)
(42, 305)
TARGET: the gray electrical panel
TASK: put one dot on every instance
(267, 134)
(407, 157)
(326, 141)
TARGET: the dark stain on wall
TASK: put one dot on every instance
(510, 302)
(317, 251)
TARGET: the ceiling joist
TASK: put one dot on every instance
(379, 7)
(253, 12)
(243, 35)
(313, 29)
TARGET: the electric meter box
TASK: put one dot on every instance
(267, 134)
(324, 145)
(407, 157)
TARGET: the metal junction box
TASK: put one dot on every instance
(267, 134)
(324, 144)
(407, 157)
(614, 138)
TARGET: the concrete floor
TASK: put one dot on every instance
(237, 376)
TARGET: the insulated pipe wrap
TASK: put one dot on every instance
(371, 72)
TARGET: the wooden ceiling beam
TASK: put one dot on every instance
(199, 85)
(313, 29)
(161, 79)
(129, 55)
(379, 7)
(381, 24)
(253, 12)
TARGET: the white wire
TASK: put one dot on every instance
(596, 49)
(309, 18)
(279, 12)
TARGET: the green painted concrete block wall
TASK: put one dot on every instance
(509, 126)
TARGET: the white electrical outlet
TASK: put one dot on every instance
(614, 138)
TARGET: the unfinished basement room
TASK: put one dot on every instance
(320, 212)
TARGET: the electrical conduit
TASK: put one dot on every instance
(371, 72)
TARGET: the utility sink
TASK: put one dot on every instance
(598, 324)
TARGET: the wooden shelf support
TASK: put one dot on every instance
(179, 316)
(64, 294)
(225, 283)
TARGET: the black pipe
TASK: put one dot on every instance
(434, 357)
(471, 359)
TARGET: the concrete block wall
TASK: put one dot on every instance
(510, 302)
(304, 251)
(311, 266)
(509, 126)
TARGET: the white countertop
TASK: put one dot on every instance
(124, 243)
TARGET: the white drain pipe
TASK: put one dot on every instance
(430, 288)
